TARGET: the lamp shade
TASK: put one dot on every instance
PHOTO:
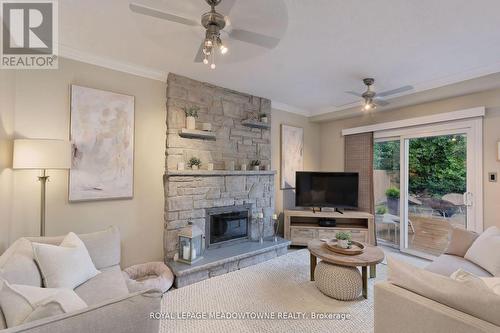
(41, 154)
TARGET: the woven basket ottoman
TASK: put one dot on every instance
(339, 282)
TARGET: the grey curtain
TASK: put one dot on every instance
(359, 158)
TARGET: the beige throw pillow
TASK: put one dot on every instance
(485, 251)
(460, 241)
(65, 266)
(21, 304)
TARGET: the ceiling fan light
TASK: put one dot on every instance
(205, 61)
(212, 66)
(223, 49)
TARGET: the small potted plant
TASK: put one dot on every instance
(392, 195)
(255, 164)
(191, 115)
(263, 118)
(194, 163)
(343, 239)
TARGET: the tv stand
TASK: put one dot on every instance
(301, 226)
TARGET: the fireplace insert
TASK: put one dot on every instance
(227, 225)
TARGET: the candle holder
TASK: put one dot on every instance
(260, 224)
(276, 226)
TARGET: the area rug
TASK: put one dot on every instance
(274, 296)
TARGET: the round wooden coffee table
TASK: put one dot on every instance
(370, 257)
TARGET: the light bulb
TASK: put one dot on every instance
(367, 107)
(205, 61)
(223, 49)
(212, 66)
(208, 43)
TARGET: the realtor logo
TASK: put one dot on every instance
(29, 34)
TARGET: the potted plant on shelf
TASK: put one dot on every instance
(191, 115)
(392, 195)
(194, 163)
(343, 239)
(255, 164)
(263, 118)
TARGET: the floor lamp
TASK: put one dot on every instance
(42, 155)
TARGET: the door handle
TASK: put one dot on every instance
(468, 196)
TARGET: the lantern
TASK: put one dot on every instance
(191, 244)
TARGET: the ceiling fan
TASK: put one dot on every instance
(215, 22)
(372, 99)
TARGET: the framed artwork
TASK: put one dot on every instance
(102, 138)
(292, 154)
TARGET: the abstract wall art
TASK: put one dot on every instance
(102, 137)
(292, 154)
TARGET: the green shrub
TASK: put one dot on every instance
(381, 210)
(392, 193)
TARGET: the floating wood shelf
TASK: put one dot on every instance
(197, 134)
(255, 124)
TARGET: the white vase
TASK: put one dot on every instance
(210, 166)
(256, 168)
(190, 123)
(194, 167)
(263, 120)
(343, 243)
(243, 167)
(181, 166)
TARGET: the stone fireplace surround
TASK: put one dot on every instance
(190, 193)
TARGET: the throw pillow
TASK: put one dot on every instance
(21, 304)
(492, 284)
(485, 251)
(65, 266)
(460, 241)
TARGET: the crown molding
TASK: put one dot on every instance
(74, 54)
(289, 108)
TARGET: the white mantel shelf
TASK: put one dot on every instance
(209, 173)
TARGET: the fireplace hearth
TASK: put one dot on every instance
(227, 225)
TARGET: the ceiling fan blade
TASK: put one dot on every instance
(199, 55)
(225, 7)
(254, 38)
(395, 91)
(381, 102)
(148, 11)
(353, 93)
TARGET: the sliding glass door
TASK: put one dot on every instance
(425, 182)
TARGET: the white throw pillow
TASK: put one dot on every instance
(65, 266)
(21, 304)
(485, 251)
(489, 283)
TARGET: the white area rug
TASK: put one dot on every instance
(276, 287)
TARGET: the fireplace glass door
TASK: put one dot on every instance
(228, 227)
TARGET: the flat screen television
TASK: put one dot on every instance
(326, 189)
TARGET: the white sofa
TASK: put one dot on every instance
(111, 307)
(398, 309)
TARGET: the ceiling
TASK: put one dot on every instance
(326, 48)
